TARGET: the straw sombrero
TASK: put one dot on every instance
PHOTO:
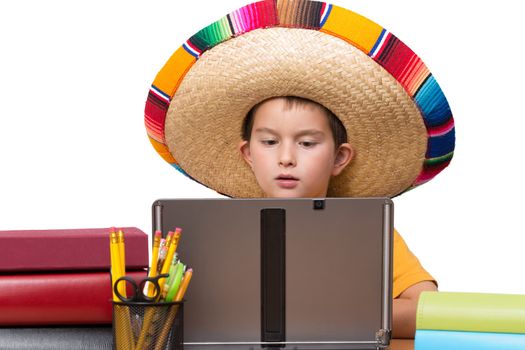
(397, 118)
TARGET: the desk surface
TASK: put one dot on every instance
(402, 344)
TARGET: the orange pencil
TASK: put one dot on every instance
(184, 285)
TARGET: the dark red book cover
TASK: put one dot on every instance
(75, 249)
(69, 298)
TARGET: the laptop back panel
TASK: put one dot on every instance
(308, 274)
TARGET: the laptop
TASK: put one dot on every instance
(284, 273)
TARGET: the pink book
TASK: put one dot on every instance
(63, 250)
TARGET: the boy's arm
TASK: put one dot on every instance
(405, 307)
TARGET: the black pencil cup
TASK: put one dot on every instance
(151, 326)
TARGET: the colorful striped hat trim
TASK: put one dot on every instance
(380, 45)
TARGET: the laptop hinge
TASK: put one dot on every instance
(383, 337)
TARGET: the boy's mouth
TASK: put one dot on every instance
(286, 181)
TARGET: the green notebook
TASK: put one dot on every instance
(475, 312)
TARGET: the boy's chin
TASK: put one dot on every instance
(283, 194)
(291, 194)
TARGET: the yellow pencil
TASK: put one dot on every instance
(154, 259)
(122, 251)
(169, 237)
(148, 316)
(121, 260)
(161, 255)
(167, 262)
(164, 253)
(114, 272)
(122, 333)
(176, 238)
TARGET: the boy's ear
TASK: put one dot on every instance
(343, 156)
(244, 148)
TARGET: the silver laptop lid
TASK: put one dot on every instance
(297, 273)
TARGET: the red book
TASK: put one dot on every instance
(71, 298)
(76, 249)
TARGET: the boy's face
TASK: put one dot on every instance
(292, 151)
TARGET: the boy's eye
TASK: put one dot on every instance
(308, 144)
(269, 142)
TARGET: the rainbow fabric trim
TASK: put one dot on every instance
(382, 46)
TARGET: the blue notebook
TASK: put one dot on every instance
(454, 340)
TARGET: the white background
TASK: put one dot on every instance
(74, 76)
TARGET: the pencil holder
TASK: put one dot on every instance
(152, 326)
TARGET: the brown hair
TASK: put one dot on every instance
(336, 126)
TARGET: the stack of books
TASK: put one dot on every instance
(468, 321)
(55, 286)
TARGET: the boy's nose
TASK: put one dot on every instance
(287, 157)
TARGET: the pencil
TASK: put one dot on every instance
(184, 284)
(114, 271)
(149, 314)
(165, 267)
(176, 238)
(122, 251)
(173, 311)
(169, 237)
(167, 261)
(154, 259)
(122, 330)
(163, 250)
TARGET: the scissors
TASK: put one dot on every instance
(138, 289)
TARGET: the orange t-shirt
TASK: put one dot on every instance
(407, 268)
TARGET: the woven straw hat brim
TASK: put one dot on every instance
(384, 126)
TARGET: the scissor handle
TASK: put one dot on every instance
(126, 280)
(138, 294)
(156, 287)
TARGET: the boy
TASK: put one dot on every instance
(399, 124)
(294, 147)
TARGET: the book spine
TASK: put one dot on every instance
(58, 299)
(471, 312)
(439, 340)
